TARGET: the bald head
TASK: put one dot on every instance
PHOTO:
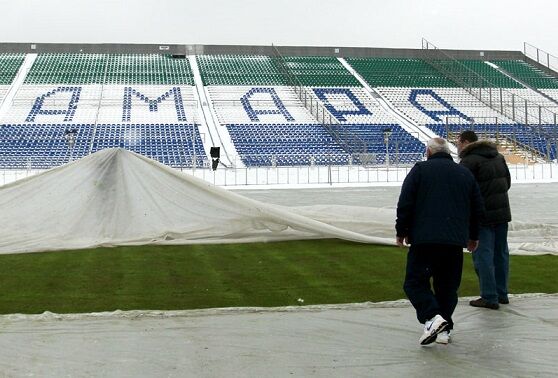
(436, 145)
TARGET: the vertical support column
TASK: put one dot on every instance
(501, 102)
(532, 143)
(497, 132)
(513, 107)
(526, 113)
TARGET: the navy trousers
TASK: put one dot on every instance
(444, 265)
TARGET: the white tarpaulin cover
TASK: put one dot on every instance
(352, 340)
(117, 197)
(533, 229)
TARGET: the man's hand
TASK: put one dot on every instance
(402, 240)
(472, 245)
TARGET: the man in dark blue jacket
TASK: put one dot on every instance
(438, 215)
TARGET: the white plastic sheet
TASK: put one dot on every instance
(353, 340)
(533, 230)
(116, 197)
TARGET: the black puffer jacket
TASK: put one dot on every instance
(491, 171)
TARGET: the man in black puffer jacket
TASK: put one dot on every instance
(491, 259)
(438, 214)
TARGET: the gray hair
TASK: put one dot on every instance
(438, 145)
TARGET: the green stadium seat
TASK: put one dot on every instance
(78, 69)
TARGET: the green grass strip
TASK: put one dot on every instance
(206, 276)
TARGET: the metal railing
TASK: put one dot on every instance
(505, 136)
(540, 56)
(190, 160)
(351, 142)
(53, 149)
(361, 158)
(518, 109)
(300, 176)
(528, 145)
(46, 161)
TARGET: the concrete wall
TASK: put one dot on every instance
(356, 52)
(109, 48)
(112, 48)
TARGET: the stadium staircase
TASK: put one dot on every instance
(490, 87)
(8, 64)
(429, 96)
(422, 134)
(318, 103)
(272, 123)
(521, 74)
(210, 124)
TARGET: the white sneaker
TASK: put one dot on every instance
(443, 337)
(432, 328)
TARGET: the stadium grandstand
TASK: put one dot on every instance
(268, 107)
(229, 210)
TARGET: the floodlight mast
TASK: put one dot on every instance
(71, 136)
(387, 134)
(194, 157)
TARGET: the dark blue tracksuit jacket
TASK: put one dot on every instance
(440, 203)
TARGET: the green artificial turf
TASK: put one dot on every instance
(231, 275)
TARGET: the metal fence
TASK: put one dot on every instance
(523, 141)
(366, 159)
(266, 169)
(319, 175)
(350, 141)
(191, 160)
(540, 56)
(539, 121)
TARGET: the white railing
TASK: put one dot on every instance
(320, 175)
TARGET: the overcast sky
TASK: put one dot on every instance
(465, 24)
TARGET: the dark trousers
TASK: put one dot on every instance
(492, 260)
(442, 263)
